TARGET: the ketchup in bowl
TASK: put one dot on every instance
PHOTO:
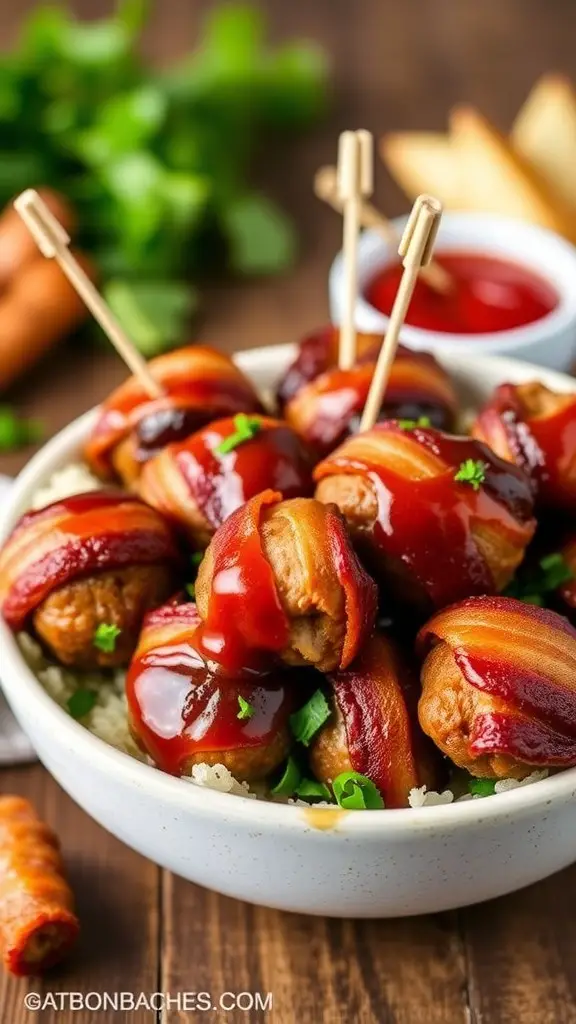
(489, 294)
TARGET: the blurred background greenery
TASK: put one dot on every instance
(157, 162)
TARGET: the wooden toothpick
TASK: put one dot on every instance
(54, 243)
(415, 251)
(354, 180)
(326, 189)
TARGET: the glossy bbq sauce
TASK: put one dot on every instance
(490, 295)
(222, 483)
(427, 525)
(180, 708)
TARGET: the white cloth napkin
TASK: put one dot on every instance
(15, 747)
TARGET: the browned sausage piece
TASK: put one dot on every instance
(37, 921)
(17, 247)
(39, 309)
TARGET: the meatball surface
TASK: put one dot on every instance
(68, 618)
(309, 593)
(248, 764)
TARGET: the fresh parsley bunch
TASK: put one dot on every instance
(157, 163)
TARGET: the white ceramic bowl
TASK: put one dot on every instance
(549, 342)
(352, 864)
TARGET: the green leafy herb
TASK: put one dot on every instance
(473, 472)
(306, 722)
(16, 432)
(81, 703)
(157, 163)
(105, 637)
(246, 710)
(245, 428)
(482, 787)
(422, 421)
(196, 558)
(190, 589)
(355, 792)
(289, 780)
(311, 789)
(534, 584)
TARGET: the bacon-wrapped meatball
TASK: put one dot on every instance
(499, 686)
(280, 578)
(374, 727)
(199, 482)
(437, 517)
(201, 384)
(183, 713)
(536, 428)
(83, 572)
(324, 404)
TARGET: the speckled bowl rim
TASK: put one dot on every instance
(209, 802)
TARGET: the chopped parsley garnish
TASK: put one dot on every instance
(246, 709)
(196, 558)
(471, 471)
(105, 637)
(534, 583)
(289, 780)
(190, 589)
(16, 432)
(246, 427)
(81, 703)
(311, 789)
(422, 421)
(555, 570)
(482, 787)
(355, 792)
(306, 722)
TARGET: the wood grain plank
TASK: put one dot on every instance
(370, 972)
(521, 955)
(117, 901)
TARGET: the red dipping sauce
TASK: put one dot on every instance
(490, 294)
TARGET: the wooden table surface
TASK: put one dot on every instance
(397, 64)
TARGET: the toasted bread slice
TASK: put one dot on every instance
(499, 180)
(423, 162)
(544, 133)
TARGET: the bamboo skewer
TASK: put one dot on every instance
(54, 243)
(354, 181)
(326, 189)
(415, 250)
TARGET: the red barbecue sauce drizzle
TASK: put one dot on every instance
(274, 457)
(181, 706)
(490, 295)
(543, 445)
(426, 525)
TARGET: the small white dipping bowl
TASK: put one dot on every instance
(340, 863)
(550, 341)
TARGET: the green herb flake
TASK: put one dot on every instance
(306, 722)
(196, 558)
(16, 432)
(190, 589)
(556, 571)
(312, 790)
(246, 710)
(482, 787)
(245, 428)
(422, 421)
(81, 703)
(105, 637)
(289, 780)
(473, 472)
(535, 583)
(355, 792)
